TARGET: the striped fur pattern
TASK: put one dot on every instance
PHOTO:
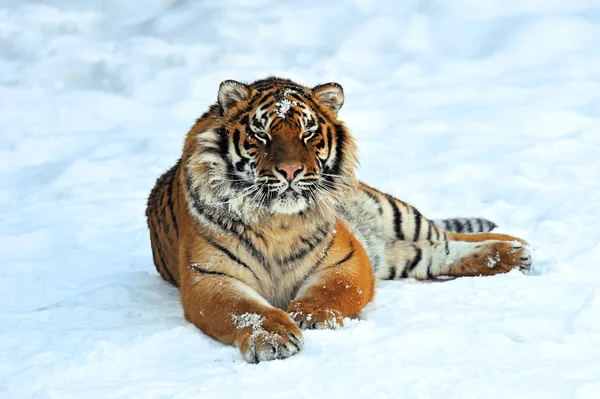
(465, 225)
(266, 231)
(385, 225)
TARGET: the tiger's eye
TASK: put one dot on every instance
(261, 135)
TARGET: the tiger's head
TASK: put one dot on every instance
(276, 146)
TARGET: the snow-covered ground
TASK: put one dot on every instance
(461, 107)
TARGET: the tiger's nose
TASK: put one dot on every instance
(289, 171)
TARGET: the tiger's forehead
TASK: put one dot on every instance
(283, 103)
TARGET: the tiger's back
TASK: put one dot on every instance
(164, 224)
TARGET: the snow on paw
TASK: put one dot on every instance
(493, 257)
(267, 337)
(313, 318)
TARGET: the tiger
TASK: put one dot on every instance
(266, 231)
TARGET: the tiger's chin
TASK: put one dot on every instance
(289, 204)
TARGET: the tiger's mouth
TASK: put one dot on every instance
(278, 196)
(288, 197)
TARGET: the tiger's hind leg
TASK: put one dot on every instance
(431, 259)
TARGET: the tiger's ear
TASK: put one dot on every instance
(231, 93)
(330, 95)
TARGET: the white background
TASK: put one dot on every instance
(460, 107)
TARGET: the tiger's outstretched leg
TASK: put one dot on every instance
(340, 286)
(430, 259)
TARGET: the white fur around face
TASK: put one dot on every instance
(289, 205)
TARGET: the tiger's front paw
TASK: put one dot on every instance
(267, 337)
(312, 317)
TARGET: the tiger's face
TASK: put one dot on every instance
(283, 148)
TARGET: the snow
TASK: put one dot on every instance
(248, 320)
(284, 105)
(461, 107)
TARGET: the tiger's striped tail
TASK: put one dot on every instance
(465, 225)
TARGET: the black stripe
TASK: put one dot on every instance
(224, 153)
(295, 97)
(405, 270)
(447, 247)
(418, 257)
(155, 260)
(169, 276)
(480, 225)
(170, 203)
(469, 226)
(236, 141)
(315, 266)
(257, 100)
(256, 123)
(392, 273)
(230, 255)
(162, 218)
(397, 219)
(309, 102)
(429, 230)
(239, 166)
(320, 145)
(429, 265)
(447, 225)
(264, 106)
(293, 111)
(198, 269)
(375, 199)
(457, 225)
(339, 147)
(418, 217)
(346, 258)
(310, 244)
(240, 235)
(329, 142)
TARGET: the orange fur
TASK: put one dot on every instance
(479, 237)
(491, 258)
(341, 289)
